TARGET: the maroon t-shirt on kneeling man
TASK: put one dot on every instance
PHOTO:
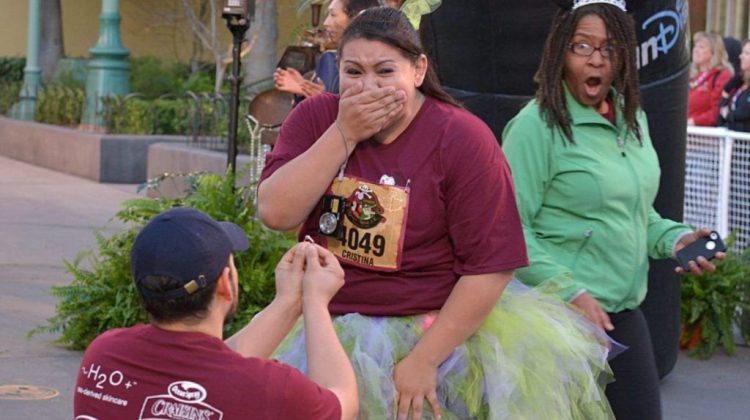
(461, 219)
(145, 372)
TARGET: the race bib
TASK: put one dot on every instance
(373, 226)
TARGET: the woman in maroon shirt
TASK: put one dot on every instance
(413, 194)
(709, 72)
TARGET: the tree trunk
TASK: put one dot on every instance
(260, 63)
(219, 69)
(196, 52)
(51, 48)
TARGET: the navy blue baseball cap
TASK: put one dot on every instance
(186, 245)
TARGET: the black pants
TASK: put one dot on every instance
(635, 392)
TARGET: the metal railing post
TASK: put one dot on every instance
(725, 171)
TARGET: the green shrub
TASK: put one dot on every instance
(60, 102)
(126, 115)
(70, 78)
(138, 115)
(714, 304)
(135, 115)
(8, 95)
(103, 296)
(170, 116)
(11, 69)
(199, 81)
(152, 78)
(59, 105)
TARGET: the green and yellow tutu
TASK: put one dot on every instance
(533, 358)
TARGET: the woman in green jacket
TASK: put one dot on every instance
(586, 175)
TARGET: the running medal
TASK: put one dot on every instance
(370, 232)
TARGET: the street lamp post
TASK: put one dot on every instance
(108, 69)
(237, 13)
(32, 74)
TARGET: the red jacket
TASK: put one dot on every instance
(705, 94)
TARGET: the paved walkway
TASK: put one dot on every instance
(46, 217)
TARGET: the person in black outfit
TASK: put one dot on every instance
(734, 108)
(734, 113)
(734, 48)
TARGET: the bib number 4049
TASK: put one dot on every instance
(353, 239)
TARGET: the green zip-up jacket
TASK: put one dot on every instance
(587, 208)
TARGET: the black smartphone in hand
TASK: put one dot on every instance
(706, 247)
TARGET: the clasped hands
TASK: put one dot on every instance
(311, 274)
(308, 273)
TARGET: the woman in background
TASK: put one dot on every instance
(710, 70)
(326, 79)
(734, 111)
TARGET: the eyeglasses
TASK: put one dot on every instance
(586, 50)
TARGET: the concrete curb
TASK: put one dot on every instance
(95, 156)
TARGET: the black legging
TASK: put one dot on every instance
(635, 392)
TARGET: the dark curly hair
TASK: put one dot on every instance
(551, 95)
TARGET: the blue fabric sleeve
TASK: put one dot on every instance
(327, 71)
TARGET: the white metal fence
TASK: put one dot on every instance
(717, 181)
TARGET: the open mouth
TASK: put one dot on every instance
(594, 81)
(593, 86)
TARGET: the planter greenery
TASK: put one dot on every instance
(204, 119)
(102, 294)
(11, 78)
(169, 98)
(11, 69)
(134, 115)
(714, 304)
(8, 95)
(152, 78)
(60, 105)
